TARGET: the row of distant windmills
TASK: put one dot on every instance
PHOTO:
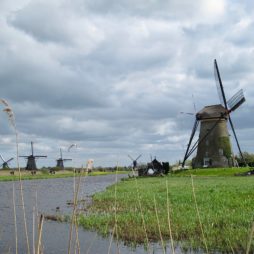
(31, 160)
(213, 145)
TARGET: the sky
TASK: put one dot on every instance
(112, 76)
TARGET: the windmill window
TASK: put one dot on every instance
(207, 142)
(220, 151)
(206, 154)
(206, 162)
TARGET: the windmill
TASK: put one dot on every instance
(31, 164)
(134, 162)
(213, 145)
(60, 161)
(5, 164)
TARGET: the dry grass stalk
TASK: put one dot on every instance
(169, 222)
(230, 246)
(33, 247)
(198, 214)
(40, 226)
(15, 217)
(141, 212)
(117, 237)
(83, 177)
(8, 110)
(111, 240)
(158, 222)
(115, 231)
(73, 219)
(250, 239)
(77, 243)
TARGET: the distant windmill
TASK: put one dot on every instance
(213, 146)
(134, 162)
(5, 164)
(31, 164)
(60, 161)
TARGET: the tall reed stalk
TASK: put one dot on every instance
(158, 223)
(141, 212)
(33, 247)
(169, 221)
(15, 217)
(116, 224)
(74, 217)
(198, 214)
(250, 239)
(111, 239)
(8, 110)
(115, 231)
(40, 226)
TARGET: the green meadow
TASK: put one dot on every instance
(44, 174)
(209, 209)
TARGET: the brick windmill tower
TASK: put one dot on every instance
(213, 145)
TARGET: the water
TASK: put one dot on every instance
(45, 196)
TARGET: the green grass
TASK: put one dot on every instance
(211, 171)
(226, 206)
(43, 175)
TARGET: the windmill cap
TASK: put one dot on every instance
(212, 112)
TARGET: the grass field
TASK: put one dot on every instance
(42, 174)
(136, 208)
(211, 172)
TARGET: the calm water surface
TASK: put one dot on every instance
(45, 196)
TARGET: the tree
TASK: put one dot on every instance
(249, 158)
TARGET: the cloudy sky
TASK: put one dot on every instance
(113, 76)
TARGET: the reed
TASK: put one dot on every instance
(40, 226)
(10, 114)
(15, 217)
(159, 227)
(198, 214)
(169, 221)
(141, 212)
(250, 239)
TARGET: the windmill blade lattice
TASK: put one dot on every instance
(236, 100)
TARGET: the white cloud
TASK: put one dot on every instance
(114, 75)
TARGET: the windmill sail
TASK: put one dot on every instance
(235, 101)
(219, 85)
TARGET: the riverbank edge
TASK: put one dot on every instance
(41, 175)
(101, 217)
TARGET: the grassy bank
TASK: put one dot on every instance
(26, 175)
(211, 172)
(225, 206)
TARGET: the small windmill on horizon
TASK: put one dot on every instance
(60, 161)
(31, 159)
(5, 164)
(134, 161)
